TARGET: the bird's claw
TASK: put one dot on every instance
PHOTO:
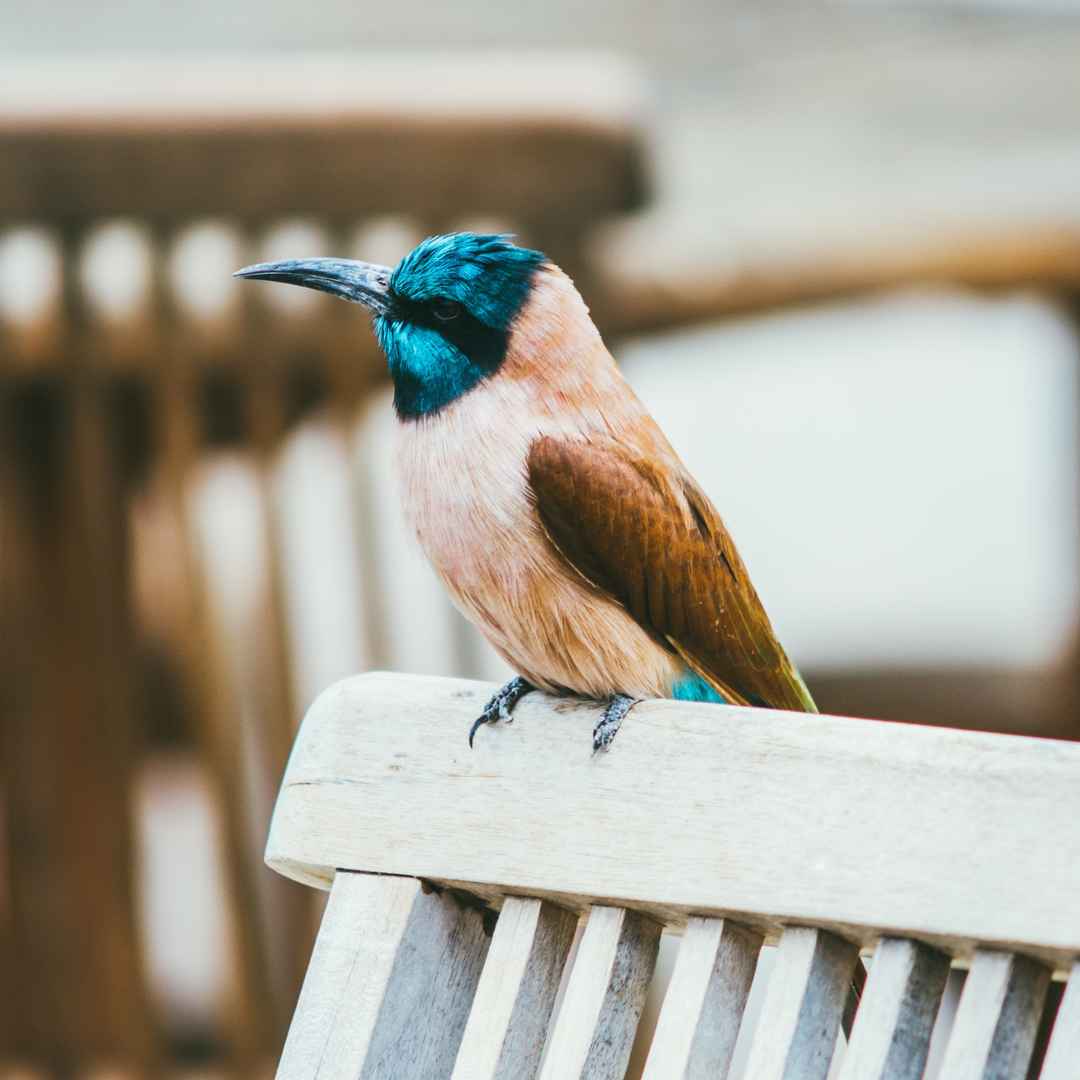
(501, 705)
(607, 727)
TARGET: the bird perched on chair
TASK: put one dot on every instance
(547, 498)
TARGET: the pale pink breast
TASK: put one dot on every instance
(465, 494)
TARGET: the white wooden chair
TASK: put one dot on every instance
(827, 835)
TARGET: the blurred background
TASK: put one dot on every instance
(836, 248)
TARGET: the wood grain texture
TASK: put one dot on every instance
(841, 823)
(998, 1018)
(391, 980)
(1062, 1060)
(703, 1008)
(797, 1029)
(594, 1029)
(891, 1038)
(508, 1025)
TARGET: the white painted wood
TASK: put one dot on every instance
(891, 1038)
(840, 823)
(508, 1025)
(998, 1018)
(666, 956)
(594, 1030)
(796, 1032)
(390, 983)
(946, 1018)
(1063, 1054)
(699, 1022)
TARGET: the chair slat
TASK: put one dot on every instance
(594, 1030)
(998, 1018)
(505, 1034)
(797, 1029)
(390, 983)
(891, 1038)
(1063, 1054)
(703, 1008)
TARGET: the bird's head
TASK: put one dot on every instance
(443, 316)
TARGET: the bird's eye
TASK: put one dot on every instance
(445, 310)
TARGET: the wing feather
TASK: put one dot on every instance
(644, 533)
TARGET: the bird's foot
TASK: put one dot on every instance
(607, 727)
(502, 704)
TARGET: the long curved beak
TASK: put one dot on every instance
(358, 282)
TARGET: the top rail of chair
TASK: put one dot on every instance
(861, 826)
(341, 134)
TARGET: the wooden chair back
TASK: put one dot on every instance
(918, 847)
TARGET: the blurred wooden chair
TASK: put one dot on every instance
(128, 194)
(824, 835)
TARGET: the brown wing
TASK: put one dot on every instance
(647, 535)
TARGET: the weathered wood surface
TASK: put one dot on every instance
(703, 1008)
(796, 1032)
(507, 1027)
(998, 1018)
(1063, 1054)
(594, 1029)
(81, 138)
(847, 824)
(391, 980)
(896, 1016)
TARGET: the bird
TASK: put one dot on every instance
(547, 498)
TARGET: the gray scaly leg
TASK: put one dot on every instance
(607, 727)
(502, 704)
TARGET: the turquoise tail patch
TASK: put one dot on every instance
(692, 687)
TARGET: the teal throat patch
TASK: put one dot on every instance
(451, 304)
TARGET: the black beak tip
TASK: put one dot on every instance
(253, 271)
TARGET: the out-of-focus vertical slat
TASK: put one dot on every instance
(891, 1037)
(595, 1026)
(507, 1027)
(256, 1018)
(115, 269)
(390, 983)
(69, 743)
(324, 593)
(998, 1018)
(31, 315)
(796, 1032)
(1063, 1054)
(283, 356)
(263, 373)
(700, 1019)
